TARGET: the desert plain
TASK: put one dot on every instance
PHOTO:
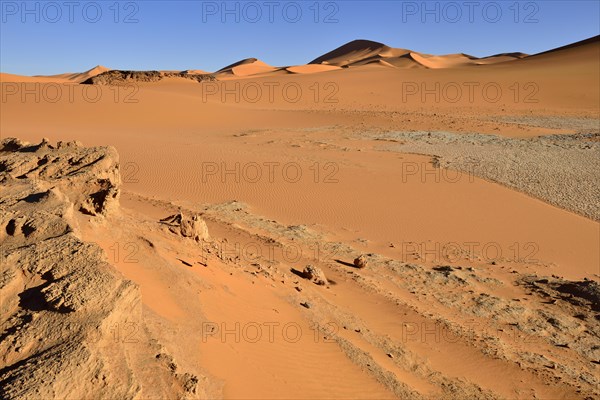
(378, 223)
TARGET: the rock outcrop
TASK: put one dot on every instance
(119, 77)
(88, 177)
(60, 296)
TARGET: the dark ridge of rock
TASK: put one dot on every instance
(194, 77)
(115, 77)
(587, 290)
(120, 77)
(584, 293)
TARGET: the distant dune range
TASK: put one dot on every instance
(157, 217)
(358, 53)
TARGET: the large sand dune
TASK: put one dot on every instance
(360, 52)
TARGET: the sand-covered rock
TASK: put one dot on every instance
(188, 226)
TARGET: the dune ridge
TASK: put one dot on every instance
(362, 52)
(354, 54)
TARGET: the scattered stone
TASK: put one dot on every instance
(314, 274)
(305, 304)
(192, 226)
(185, 262)
(361, 261)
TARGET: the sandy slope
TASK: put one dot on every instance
(249, 66)
(358, 193)
(76, 77)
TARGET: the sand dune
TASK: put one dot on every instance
(97, 70)
(357, 50)
(462, 60)
(5, 77)
(587, 43)
(248, 66)
(353, 54)
(194, 72)
(583, 52)
(360, 52)
(500, 58)
(76, 77)
(311, 69)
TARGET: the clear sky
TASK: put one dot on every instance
(50, 37)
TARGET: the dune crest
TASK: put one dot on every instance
(363, 52)
(246, 67)
(357, 53)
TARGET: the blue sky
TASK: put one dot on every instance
(49, 37)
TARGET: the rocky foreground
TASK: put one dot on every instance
(64, 308)
(73, 327)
